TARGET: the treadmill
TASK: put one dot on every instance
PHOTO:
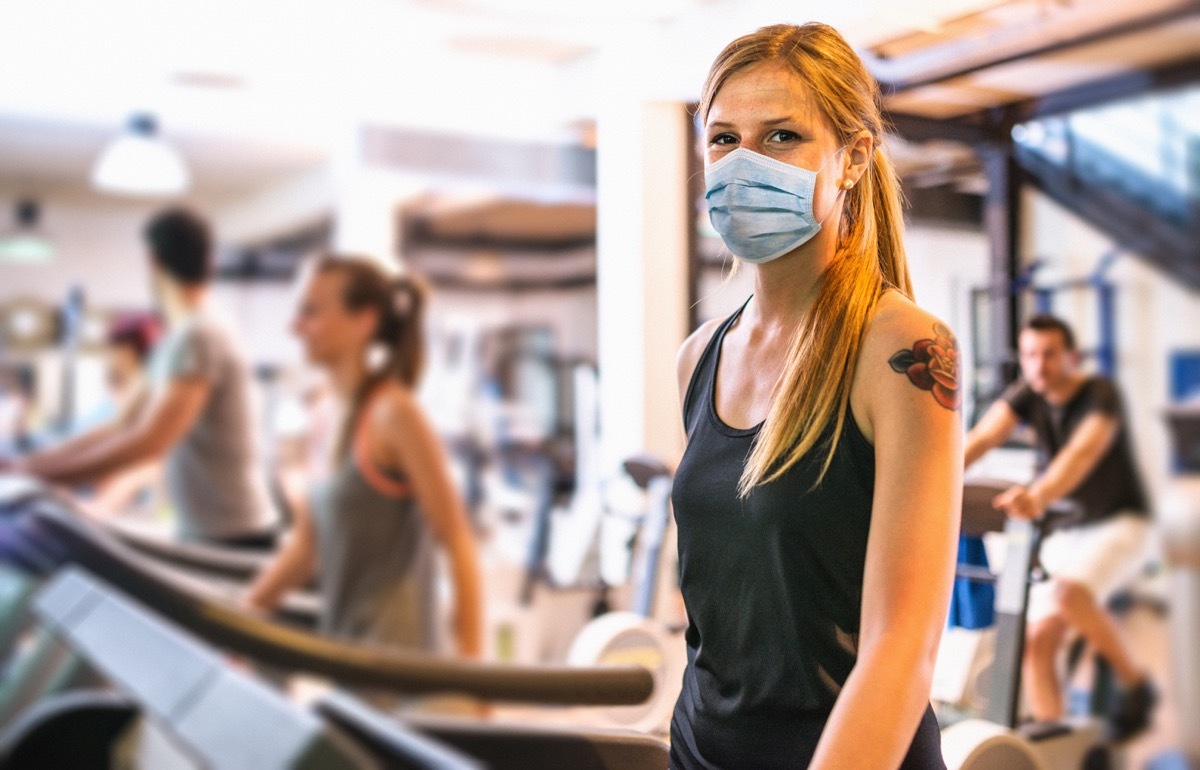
(43, 536)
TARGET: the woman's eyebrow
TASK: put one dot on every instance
(771, 122)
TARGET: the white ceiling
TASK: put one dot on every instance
(251, 90)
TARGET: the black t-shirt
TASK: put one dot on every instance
(1114, 484)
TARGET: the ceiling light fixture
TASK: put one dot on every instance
(25, 242)
(139, 162)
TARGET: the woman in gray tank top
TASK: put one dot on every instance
(373, 524)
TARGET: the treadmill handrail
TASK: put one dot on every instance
(226, 562)
(183, 685)
(62, 537)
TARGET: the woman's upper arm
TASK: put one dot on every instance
(908, 376)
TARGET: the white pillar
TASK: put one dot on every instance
(366, 202)
(641, 261)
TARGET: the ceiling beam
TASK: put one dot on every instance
(456, 282)
(1129, 84)
(1097, 36)
(557, 166)
(995, 123)
(916, 128)
(420, 234)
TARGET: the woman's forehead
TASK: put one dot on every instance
(770, 86)
(325, 282)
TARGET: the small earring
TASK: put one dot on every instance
(377, 354)
(848, 183)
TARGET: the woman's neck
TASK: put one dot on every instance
(785, 288)
(179, 303)
(346, 376)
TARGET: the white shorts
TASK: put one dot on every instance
(1105, 557)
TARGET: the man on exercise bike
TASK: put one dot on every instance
(1084, 454)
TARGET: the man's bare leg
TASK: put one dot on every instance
(1080, 610)
(1043, 689)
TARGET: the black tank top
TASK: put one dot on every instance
(773, 589)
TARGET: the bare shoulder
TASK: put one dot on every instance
(399, 429)
(903, 339)
(395, 406)
(691, 350)
(897, 318)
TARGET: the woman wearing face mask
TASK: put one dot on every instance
(817, 501)
(389, 500)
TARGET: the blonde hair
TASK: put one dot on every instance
(813, 392)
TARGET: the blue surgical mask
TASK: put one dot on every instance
(762, 207)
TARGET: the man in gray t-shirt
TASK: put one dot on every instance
(221, 443)
(199, 417)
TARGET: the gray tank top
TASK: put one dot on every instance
(376, 556)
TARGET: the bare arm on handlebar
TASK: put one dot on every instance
(1066, 471)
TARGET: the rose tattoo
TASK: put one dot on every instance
(932, 364)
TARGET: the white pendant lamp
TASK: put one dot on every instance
(140, 163)
(25, 242)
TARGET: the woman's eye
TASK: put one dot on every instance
(723, 139)
(784, 136)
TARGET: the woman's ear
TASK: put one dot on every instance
(365, 322)
(859, 150)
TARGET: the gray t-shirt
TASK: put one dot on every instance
(214, 475)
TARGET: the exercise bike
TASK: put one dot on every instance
(998, 741)
(635, 636)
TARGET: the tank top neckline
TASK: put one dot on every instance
(725, 428)
(720, 425)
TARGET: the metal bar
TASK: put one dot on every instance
(1106, 351)
(1012, 598)
(1001, 216)
(1133, 227)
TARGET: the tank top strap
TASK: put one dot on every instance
(377, 478)
(705, 373)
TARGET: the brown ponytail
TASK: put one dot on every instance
(813, 393)
(399, 304)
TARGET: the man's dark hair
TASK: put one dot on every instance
(1044, 322)
(180, 242)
